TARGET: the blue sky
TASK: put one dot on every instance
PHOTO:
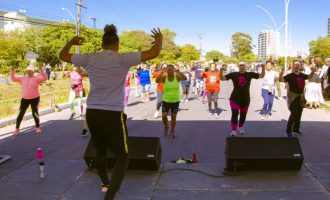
(217, 19)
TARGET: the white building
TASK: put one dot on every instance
(14, 21)
(268, 44)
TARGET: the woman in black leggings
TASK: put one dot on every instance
(106, 120)
(30, 95)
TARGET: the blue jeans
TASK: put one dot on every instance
(268, 102)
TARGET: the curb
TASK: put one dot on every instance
(325, 105)
(27, 116)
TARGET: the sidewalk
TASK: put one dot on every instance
(68, 178)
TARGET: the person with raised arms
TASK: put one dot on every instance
(106, 120)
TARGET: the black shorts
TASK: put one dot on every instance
(185, 89)
(173, 107)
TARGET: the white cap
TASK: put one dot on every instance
(30, 68)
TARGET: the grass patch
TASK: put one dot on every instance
(56, 91)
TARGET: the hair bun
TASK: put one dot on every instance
(110, 29)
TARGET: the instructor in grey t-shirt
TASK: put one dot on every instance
(105, 103)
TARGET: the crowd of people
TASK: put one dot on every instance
(108, 97)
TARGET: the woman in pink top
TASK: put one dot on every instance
(77, 88)
(30, 94)
(127, 87)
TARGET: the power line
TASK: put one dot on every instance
(35, 13)
(39, 14)
(122, 14)
(34, 22)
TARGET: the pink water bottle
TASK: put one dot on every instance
(40, 158)
(40, 155)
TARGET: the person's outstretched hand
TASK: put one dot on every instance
(157, 35)
(77, 40)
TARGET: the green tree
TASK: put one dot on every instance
(241, 45)
(131, 41)
(320, 47)
(53, 39)
(13, 48)
(188, 52)
(214, 55)
(250, 58)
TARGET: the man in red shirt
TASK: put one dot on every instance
(212, 86)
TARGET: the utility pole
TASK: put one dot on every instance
(78, 21)
(200, 36)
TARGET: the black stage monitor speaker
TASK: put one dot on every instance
(144, 154)
(263, 153)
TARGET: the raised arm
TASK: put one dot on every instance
(263, 71)
(161, 77)
(313, 70)
(12, 75)
(180, 76)
(154, 51)
(280, 78)
(63, 72)
(42, 76)
(222, 77)
(65, 54)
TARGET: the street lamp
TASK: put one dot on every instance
(286, 33)
(74, 19)
(77, 27)
(278, 28)
(94, 21)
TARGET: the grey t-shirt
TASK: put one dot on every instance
(107, 71)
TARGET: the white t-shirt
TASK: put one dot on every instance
(107, 71)
(269, 79)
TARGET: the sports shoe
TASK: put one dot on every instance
(297, 133)
(263, 117)
(83, 133)
(156, 114)
(241, 130)
(38, 130)
(289, 134)
(182, 100)
(16, 131)
(210, 115)
(104, 187)
(280, 98)
(233, 133)
(72, 116)
(217, 116)
(186, 101)
(268, 116)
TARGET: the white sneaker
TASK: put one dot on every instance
(104, 188)
(263, 117)
(268, 116)
(280, 98)
(210, 115)
(233, 133)
(241, 130)
(156, 114)
(182, 100)
(186, 101)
